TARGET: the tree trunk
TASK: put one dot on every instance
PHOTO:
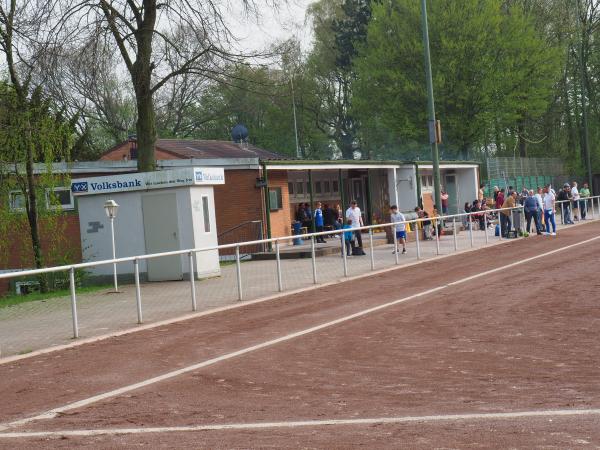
(146, 131)
(32, 215)
(522, 141)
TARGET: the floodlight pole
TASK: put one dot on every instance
(114, 252)
(431, 111)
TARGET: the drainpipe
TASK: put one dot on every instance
(342, 195)
(267, 203)
(369, 198)
(312, 203)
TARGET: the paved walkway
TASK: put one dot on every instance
(41, 324)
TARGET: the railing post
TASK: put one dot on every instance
(513, 224)
(193, 283)
(372, 249)
(437, 238)
(471, 230)
(313, 257)
(562, 214)
(395, 245)
(238, 265)
(344, 255)
(486, 224)
(138, 292)
(500, 224)
(417, 240)
(278, 259)
(454, 234)
(73, 303)
(593, 214)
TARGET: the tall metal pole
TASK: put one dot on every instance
(431, 110)
(298, 154)
(114, 252)
(267, 204)
(584, 115)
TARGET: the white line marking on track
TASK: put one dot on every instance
(166, 376)
(306, 423)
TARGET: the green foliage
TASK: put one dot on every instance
(490, 70)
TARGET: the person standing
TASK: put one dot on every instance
(444, 197)
(564, 200)
(319, 223)
(540, 210)
(480, 193)
(500, 199)
(353, 213)
(584, 193)
(575, 197)
(400, 228)
(506, 215)
(530, 206)
(348, 238)
(549, 210)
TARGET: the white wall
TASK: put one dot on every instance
(466, 180)
(129, 229)
(406, 186)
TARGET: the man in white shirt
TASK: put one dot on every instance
(549, 210)
(399, 228)
(575, 197)
(353, 213)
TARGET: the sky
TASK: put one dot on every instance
(273, 25)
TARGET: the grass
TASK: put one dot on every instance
(16, 299)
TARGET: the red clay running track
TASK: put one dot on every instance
(519, 339)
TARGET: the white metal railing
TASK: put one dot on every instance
(435, 222)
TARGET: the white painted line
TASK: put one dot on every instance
(166, 376)
(243, 304)
(305, 423)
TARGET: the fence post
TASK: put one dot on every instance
(454, 234)
(395, 245)
(238, 264)
(138, 292)
(485, 220)
(471, 230)
(437, 238)
(314, 259)
(73, 303)
(512, 219)
(192, 282)
(417, 240)
(278, 259)
(586, 203)
(562, 216)
(500, 224)
(372, 249)
(344, 256)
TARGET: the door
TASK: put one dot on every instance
(451, 189)
(161, 234)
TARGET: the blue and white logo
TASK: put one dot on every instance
(81, 186)
(199, 175)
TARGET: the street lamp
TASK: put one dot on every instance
(111, 207)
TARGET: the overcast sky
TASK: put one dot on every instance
(275, 25)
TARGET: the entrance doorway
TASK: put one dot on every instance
(161, 233)
(452, 191)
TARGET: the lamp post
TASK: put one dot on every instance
(431, 112)
(111, 207)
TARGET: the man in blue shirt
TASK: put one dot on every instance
(530, 205)
(319, 222)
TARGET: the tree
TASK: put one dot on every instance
(489, 66)
(189, 37)
(343, 24)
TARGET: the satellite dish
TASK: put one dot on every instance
(239, 133)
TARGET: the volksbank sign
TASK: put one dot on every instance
(188, 176)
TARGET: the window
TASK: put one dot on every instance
(307, 187)
(326, 187)
(206, 214)
(430, 180)
(300, 188)
(17, 201)
(317, 187)
(61, 198)
(275, 200)
(291, 188)
(335, 187)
